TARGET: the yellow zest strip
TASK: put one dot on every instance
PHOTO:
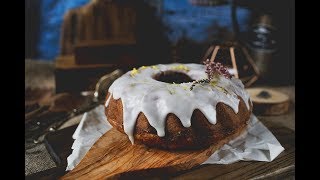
(180, 67)
(134, 72)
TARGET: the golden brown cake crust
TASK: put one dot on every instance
(201, 134)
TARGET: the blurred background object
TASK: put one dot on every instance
(89, 38)
(269, 102)
(237, 59)
(262, 44)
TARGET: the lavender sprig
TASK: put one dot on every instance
(212, 69)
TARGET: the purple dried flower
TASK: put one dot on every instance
(213, 68)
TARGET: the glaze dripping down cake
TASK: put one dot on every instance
(176, 106)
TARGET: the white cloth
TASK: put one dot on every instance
(257, 143)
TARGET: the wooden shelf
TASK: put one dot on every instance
(114, 41)
(68, 62)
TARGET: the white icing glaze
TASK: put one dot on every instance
(139, 92)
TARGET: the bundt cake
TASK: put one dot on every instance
(178, 106)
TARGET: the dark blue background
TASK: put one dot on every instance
(198, 23)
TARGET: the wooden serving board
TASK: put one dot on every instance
(113, 155)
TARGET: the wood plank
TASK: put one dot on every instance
(113, 155)
(283, 165)
(68, 62)
(97, 52)
(109, 162)
(279, 168)
(106, 42)
(245, 170)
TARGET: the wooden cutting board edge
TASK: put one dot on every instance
(98, 165)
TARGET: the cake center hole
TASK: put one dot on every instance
(172, 77)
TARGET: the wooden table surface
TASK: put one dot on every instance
(283, 167)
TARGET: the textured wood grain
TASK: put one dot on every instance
(281, 167)
(245, 170)
(113, 154)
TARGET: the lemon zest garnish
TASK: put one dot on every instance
(222, 89)
(143, 67)
(213, 83)
(134, 72)
(154, 67)
(180, 67)
(185, 87)
(171, 90)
